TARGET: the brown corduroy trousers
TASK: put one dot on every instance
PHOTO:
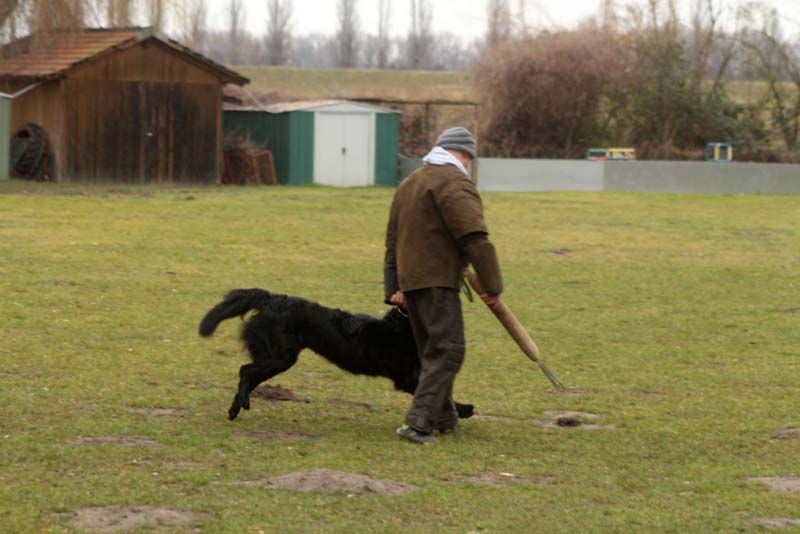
(435, 315)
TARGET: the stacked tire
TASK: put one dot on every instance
(31, 155)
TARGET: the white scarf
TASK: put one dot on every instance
(440, 156)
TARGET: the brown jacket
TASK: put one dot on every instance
(435, 228)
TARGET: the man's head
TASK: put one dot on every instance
(459, 142)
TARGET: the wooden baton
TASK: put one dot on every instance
(515, 328)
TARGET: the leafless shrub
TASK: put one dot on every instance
(543, 96)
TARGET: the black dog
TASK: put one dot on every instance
(284, 325)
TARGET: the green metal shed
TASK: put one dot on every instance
(330, 142)
(5, 136)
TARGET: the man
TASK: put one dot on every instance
(435, 228)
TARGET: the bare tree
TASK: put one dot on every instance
(46, 16)
(608, 14)
(347, 34)
(420, 38)
(706, 40)
(776, 61)
(522, 17)
(278, 39)
(235, 17)
(452, 53)
(7, 8)
(40, 18)
(314, 50)
(195, 20)
(9, 19)
(119, 13)
(383, 42)
(499, 26)
(235, 21)
(157, 14)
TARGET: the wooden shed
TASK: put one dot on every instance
(5, 135)
(120, 105)
(330, 142)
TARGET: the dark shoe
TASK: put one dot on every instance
(414, 436)
(445, 428)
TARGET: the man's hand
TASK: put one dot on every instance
(398, 299)
(492, 302)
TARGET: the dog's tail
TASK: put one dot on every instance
(235, 304)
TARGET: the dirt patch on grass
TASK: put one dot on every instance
(568, 420)
(275, 436)
(786, 433)
(102, 192)
(780, 484)
(791, 310)
(127, 192)
(648, 392)
(276, 393)
(351, 404)
(157, 411)
(565, 419)
(574, 392)
(179, 464)
(560, 251)
(498, 480)
(202, 386)
(573, 423)
(776, 522)
(128, 518)
(61, 283)
(571, 419)
(581, 416)
(111, 440)
(329, 481)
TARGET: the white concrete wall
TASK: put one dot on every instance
(652, 176)
(539, 175)
(702, 177)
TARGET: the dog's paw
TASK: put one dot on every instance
(233, 411)
(246, 403)
(465, 411)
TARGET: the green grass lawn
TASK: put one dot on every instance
(676, 319)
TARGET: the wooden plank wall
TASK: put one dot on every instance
(148, 61)
(141, 132)
(142, 115)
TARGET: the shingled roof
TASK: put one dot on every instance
(52, 59)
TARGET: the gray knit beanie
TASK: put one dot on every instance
(457, 138)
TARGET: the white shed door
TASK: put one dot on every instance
(343, 147)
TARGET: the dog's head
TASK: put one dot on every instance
(397, 320)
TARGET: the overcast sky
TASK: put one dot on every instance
(463, 17)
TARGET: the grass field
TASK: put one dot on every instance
(294, 83)
(675, 319)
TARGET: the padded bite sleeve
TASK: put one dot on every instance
(390, 283)
(481, 254)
